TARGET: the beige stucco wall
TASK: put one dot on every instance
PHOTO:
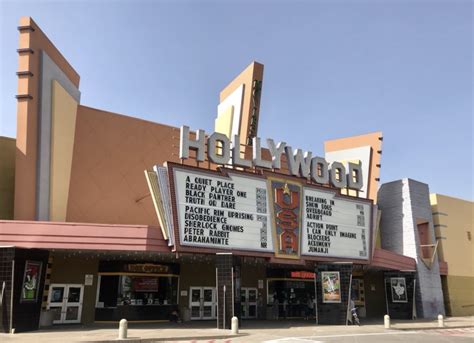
(453, 218)
(7, 177)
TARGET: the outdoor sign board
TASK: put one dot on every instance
(284, 215)
(222, 212)
(234, 210)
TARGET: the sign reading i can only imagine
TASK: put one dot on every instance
(334, 227)
(272, 215)
(222, 212)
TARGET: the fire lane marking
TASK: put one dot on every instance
(311, 338)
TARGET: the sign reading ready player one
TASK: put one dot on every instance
(249, 213)
(222, 212)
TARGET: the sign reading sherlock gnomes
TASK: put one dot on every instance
(285, 216)
(222, 212)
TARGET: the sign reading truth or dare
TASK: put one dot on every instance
(335, 226)
(274, 215)
(222, 212)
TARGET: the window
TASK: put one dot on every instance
(128, 289)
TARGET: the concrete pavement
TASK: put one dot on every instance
(255, 331)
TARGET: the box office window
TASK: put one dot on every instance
(142, 289)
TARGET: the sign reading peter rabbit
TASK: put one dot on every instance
(331, 287)
(31, 281)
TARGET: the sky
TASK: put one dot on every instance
(332, 69)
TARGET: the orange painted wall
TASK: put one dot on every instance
(374, 140)
(31, 41)
(253, 72)
(110, 154)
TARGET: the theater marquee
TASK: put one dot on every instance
(284, 217)
(222, 212)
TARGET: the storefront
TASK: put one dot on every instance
(124, 218)
(289, 291)
(136, 291)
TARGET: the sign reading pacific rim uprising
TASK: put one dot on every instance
(235, 210)
(216, 211)
(267, 213)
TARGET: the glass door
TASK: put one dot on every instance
(195, 302)
(252, 302)
(248, 297)
(55, 301)
(208, 303)
(73, 304)
(65, 301)
(202, 303)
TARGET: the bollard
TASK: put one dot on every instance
(440, 321)
(386, 321)
(235, 325)
(123, 327)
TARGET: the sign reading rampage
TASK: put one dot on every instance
(248, 213)
(222, 212)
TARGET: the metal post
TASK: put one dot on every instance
(316, 297)
(12, 287)
(349, 301)
(223, 323)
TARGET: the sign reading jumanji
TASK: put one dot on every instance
(336, 227)
(278, 216)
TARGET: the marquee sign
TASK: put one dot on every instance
(284, 216)
(278, 216)
(336, 227)
(222, 212)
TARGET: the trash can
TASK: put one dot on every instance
(186, 314)
(46, 318)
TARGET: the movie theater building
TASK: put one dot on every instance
(109, 216)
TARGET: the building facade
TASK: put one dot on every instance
(453, 219)
(116, 217)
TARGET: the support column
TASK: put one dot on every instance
(332, 291)
(228, 289)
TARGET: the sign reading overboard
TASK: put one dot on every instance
(222, 212)
(334, 227)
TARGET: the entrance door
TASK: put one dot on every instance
(202, 303)
(65, 301)
(248, 301)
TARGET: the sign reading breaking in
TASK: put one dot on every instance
(334, 227)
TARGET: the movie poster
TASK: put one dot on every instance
(31, 281)
(331, 287)
(399, 290)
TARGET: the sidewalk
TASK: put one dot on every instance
(251, 331)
